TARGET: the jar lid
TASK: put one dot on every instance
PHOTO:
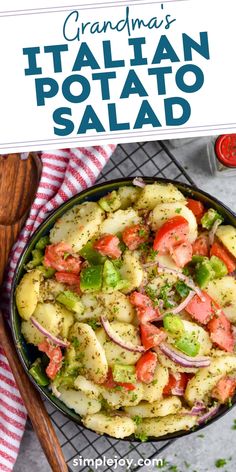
(225, 148)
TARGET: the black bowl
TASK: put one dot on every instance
(28, 353)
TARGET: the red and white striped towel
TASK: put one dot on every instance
(64, 174)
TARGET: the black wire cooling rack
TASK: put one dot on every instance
(150, 159)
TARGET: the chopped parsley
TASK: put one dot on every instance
(142, 233)
(141, 436)
(220, 463)
(164, 295)
(182, 289)
(153, 254)
(75, 342)
(151, 292)
(93, 323)
(178, 210)
(234, 425)
(137, 419)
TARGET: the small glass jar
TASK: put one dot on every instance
(221, 153)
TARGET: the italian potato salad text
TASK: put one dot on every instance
(131, 303)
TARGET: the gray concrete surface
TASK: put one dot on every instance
(198, 452)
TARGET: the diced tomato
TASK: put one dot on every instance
(144, 307)
(173, 232)
(58, 256)
(140, 300)
(196, 207)
(111, 384)
(220, 251)
(200, 310)
(135, 235)
(224, 389)
(182, 254)
(151, 336)
(177, 383)
(72, 280)
(145, 367)
(148, 314)
(201, 246)
(108, 245)
(55, 355)
(221, 332)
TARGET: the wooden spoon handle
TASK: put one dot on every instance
(33, 403)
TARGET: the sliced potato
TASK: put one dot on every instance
(78, 225)
(131, 270)
(198, 334)
(78, 401)
(94, 362)
(93, 309)
(54, 318)
(163, 212)
(87, 387)
(153, 194)
(167, 406)
(114, 353)
(128, 195)
(119, 306)
(201, 385)
(223, 291)
(160, 281)
(119, 220)
(49, 289)
(227, 235)
(116, 426)
(153, 392)
(27, 293)
(119, 398)
(158, 427)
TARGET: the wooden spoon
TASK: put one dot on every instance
(18, 182)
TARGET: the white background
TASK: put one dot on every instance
(25, 126)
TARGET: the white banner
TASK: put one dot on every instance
(114, 71)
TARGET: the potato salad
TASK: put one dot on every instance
(130, 303)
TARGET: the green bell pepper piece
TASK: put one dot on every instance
(111, 275)
(91, 255)
(112, 280)
(110, 202)
(173, 324)
(219, 267)
(38, 373)
(42, 243)
(47, 272)
(204, 273)
(188, 345)
(197, 258)
(124, 373)
(210, 217)
(71, 301)
(91, 279)
(37, 258)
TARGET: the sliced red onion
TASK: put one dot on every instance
(117, 339)
(183, 360)
(183, 304)
(178, 392)
(197, 409)
(138, 182)
(48, 335)
(183, 277)
(209, 414)
(212, 233)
